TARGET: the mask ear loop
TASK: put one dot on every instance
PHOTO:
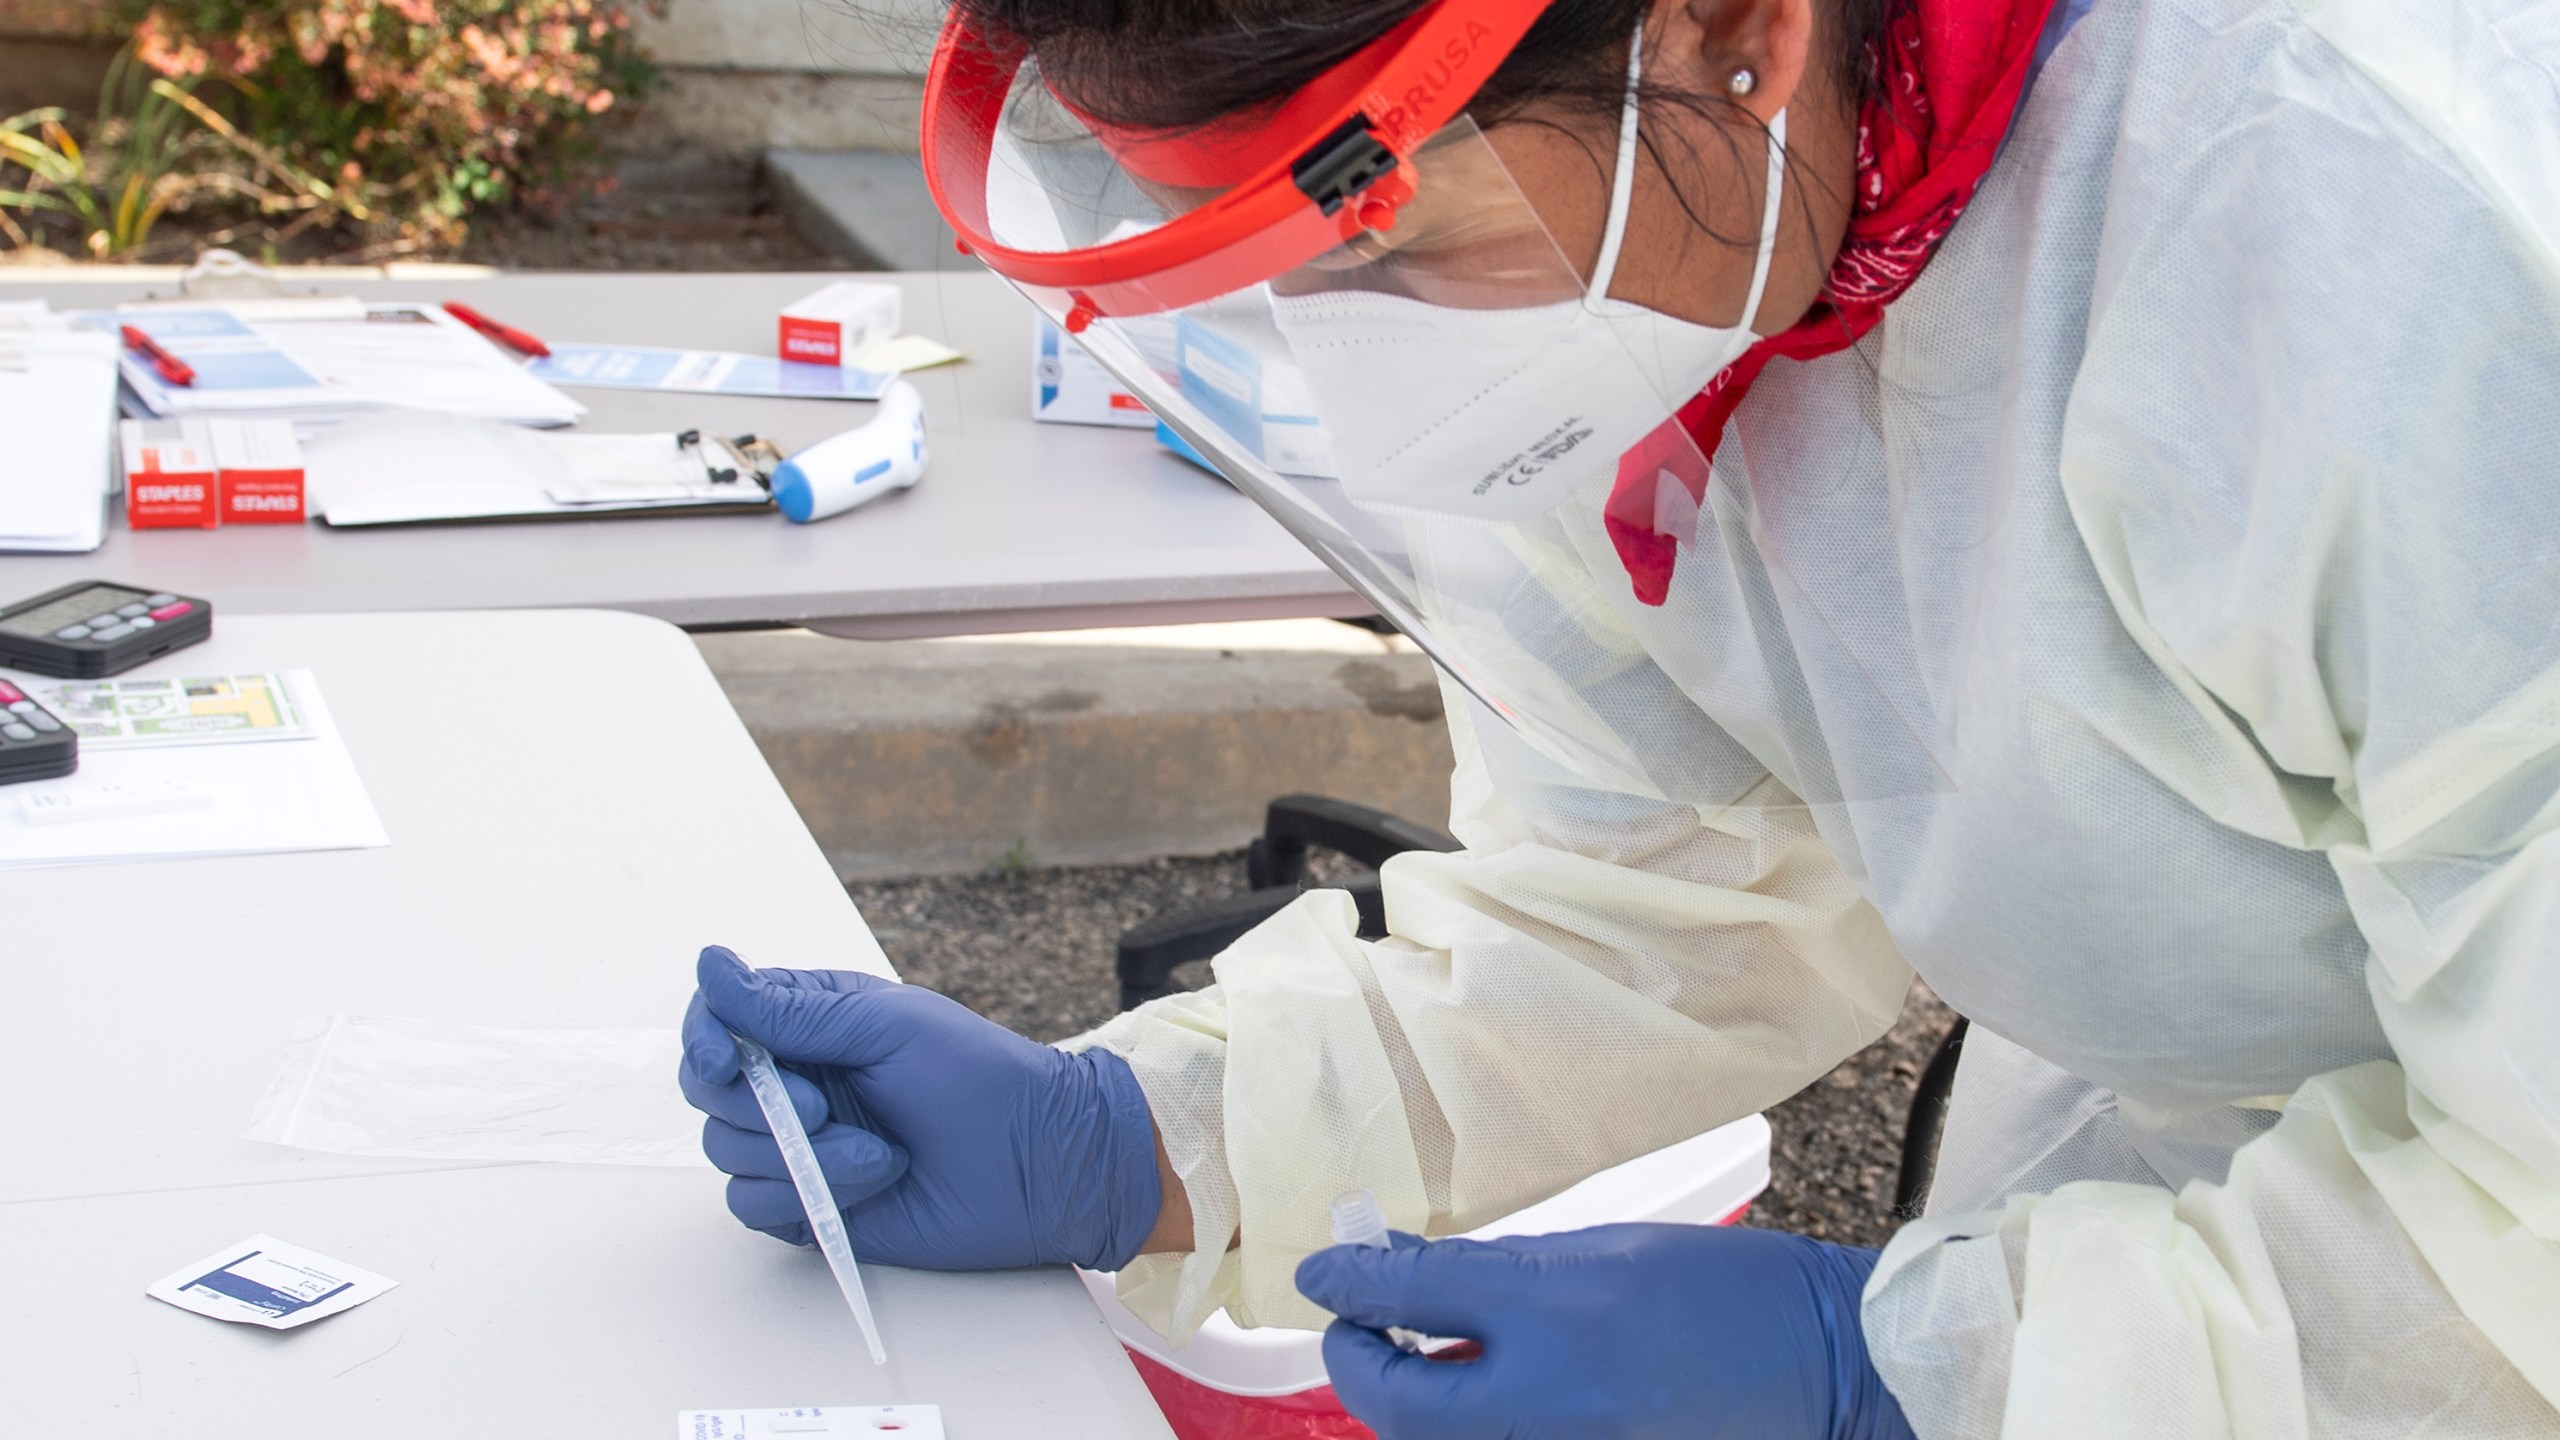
(1770, 214)
(1622, 188)
(1622, 182)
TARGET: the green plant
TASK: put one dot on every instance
(153, 147)
(117, 187)
(1015, 862)
(417, 111)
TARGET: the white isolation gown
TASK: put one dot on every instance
(2198, 511)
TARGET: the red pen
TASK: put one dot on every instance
(503, 334)
(171, 368)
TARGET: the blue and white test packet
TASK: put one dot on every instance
(264, 1281)
(813, 1422)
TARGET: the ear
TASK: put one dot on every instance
(1770, 39)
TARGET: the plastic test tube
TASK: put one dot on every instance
(1357, 1221)
(825, 1221)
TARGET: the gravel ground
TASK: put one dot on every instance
(1034, 952)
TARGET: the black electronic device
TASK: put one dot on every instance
(33, 744)
(92, 628)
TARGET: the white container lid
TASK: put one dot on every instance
(1700, 1181)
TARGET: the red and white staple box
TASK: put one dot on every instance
(839, 322)
(260, 468)
(168, 475)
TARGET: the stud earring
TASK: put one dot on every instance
(1743, 82)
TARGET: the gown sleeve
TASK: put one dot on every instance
(1593, 977)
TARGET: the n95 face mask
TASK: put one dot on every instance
(1500, 414)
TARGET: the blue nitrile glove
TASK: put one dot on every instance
(951, 1142)
(1621, 1331)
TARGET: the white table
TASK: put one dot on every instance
(573, 811)
(1018, 526)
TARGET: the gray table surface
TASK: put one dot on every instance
(1017, 526)
(573, 810)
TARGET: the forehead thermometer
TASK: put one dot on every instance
(825, 1221)
(857, 466)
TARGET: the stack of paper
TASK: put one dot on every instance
(327, 360)
(57, 420)
(179, 736)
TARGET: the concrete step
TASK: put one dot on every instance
(937, 757)
(870, 207)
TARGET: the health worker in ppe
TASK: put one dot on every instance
(2054, 496)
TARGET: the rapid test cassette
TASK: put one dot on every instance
(814, 1422)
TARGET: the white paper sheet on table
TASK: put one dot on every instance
(301, 794)
(427, 1089)
(58, 417)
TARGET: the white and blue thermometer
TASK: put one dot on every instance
(837, 474)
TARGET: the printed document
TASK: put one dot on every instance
(173, 709)
(392, 356)
(296, 794)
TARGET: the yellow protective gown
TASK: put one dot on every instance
(2198, 514)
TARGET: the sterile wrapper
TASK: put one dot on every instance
(371, 1085)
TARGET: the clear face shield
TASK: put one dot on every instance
(1441, 404)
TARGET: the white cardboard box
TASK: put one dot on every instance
(1069, 387)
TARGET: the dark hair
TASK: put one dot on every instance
(1174, 64)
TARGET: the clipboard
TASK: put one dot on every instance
(407, 468)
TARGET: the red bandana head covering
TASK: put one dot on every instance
(1949, 76)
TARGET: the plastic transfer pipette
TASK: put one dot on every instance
(1358, 1221)
(825, 1221)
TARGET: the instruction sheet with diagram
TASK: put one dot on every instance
(175, 710)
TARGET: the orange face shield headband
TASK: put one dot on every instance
(1321, 168)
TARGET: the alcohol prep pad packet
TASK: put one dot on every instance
(264, 1281)
(813, 1422)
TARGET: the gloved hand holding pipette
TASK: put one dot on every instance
(951, 1142)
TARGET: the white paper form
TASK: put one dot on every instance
(264, 1281)
(57, 436)
(290, 795)
(391, 356)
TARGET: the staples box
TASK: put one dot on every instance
(839, 322)
(259, 471)
(168, 475)
(1069, 387)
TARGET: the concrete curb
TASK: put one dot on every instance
(925, 757)
(869, 207)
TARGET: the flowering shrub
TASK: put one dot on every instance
(418, 111)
